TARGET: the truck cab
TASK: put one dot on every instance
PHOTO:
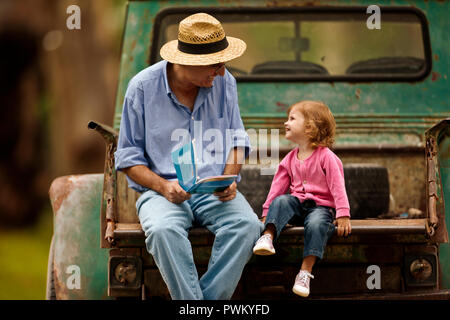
(382, 70)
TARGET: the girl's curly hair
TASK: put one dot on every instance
(320, 126)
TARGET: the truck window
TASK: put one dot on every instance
(330, 44)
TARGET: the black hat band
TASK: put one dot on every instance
(203, 48)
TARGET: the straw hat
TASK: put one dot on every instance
(202, 41)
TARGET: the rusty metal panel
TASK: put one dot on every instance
(437, 158)
(438, 155)
(108, 204)
(77, 254)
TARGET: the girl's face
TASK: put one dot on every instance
(295, 126)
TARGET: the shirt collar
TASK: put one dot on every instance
(166, 80)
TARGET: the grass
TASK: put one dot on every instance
(23, 260)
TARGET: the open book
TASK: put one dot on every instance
(184, 161)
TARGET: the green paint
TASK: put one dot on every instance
(77, 239)
(425, 99)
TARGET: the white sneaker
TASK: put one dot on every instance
(264, 246)
(301, 285)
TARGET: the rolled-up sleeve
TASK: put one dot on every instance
(131, 144)
(239, 137)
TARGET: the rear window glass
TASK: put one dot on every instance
(318, 44)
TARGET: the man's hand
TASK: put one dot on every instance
(227, 194)
(344, 228)
(173, 192)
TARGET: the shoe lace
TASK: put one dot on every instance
(265, 237)
(303, 277)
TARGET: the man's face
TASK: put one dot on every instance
(203, 76)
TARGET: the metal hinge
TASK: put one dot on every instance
(109, 184)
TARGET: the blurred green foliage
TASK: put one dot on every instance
(24, 251)
(23, 262)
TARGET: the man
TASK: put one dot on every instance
(183, 95)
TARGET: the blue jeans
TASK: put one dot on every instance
(235, 226)
(317, 220)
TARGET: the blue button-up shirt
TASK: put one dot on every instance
(154, 123)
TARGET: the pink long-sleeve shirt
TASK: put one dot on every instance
(320, 177)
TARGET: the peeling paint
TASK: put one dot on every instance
(435, 76)
(59, 190)
(77, 236)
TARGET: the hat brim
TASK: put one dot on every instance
(169, 51)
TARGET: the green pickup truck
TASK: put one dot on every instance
(382, 70)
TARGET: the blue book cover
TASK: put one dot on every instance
(184, 162)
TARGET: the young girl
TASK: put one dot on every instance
(314, 177)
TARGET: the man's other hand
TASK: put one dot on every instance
(227, 194)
